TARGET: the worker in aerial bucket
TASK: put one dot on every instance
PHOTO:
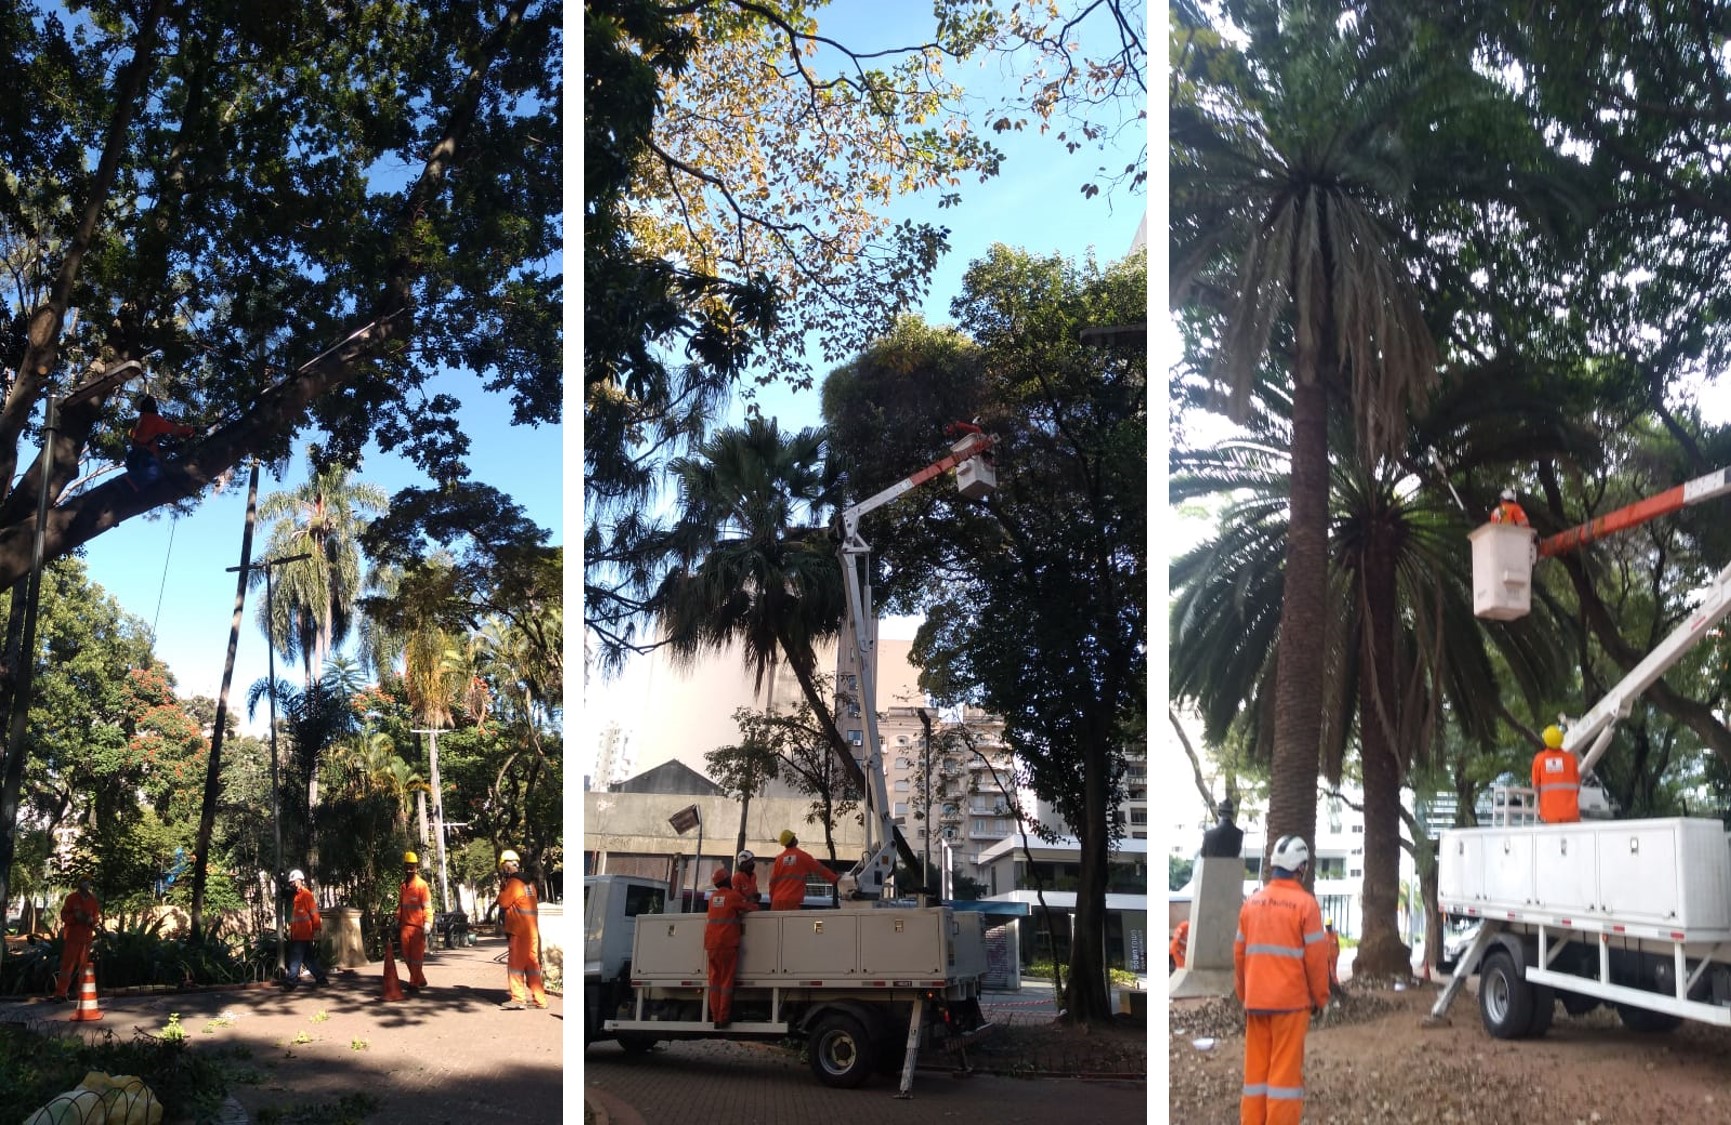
(1557, 780)
(1509, 510)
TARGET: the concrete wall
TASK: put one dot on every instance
(637, 822)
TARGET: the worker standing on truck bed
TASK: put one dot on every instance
(1280, 972)
(1557, 778)
(727, 911)
(745, 877)
(788, 872)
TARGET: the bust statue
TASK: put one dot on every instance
(1226, 838)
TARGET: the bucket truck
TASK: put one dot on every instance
(1635, 914)
(861, 985)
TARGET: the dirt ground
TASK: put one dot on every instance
(1372, 1061)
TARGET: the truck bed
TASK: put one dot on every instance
(852, 947)
(1668, 879)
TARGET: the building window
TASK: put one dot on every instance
(1139, 816)
(901, 740)
(856, 737)
(901, 809)
(902, 785)
(1358, 873)
(1358, 829)
(903, 763)
(1330, 867)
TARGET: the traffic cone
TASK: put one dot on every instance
(393, 987)
(87, 1006)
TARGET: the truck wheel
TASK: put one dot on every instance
(1505, 999)
(841, 1052)
(1646, 1020)
(1544, 1007)
(637, 1044)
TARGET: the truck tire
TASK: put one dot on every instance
(1646, 1020)
(1505, 998)
(841, 1051)
(1577, 1005)
(637, 1044)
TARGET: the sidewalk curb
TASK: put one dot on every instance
(609, 1110)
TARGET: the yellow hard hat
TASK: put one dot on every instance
(508, 856)
(411, 857)
(1554, 737)
(787, 837)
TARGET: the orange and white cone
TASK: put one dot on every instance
(87, 1006)
(393, 987)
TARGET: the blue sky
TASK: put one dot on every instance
(137, 562)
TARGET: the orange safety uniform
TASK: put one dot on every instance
(745, 883)
(1509, 512)
(304, 920)
(727, 911)
(518, 908)
(414, 904)
(1280, 971)
(1180, 943)
(78, 920)
(787, 877)
(1333, 958)
(1557, 777)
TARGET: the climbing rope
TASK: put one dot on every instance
(164, 584)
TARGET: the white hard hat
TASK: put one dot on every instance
(297, 876)
(1290, 853)
(744, 858)
(1508, 494)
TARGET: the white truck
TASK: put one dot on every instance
(1635, 914)
(862, 985)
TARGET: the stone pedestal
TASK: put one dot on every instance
(1215, 900)
(342, 930)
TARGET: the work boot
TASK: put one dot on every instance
(511, 1006)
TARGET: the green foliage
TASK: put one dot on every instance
(190, 1083)
(1178, 872)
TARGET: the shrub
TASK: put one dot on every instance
(191, 1085)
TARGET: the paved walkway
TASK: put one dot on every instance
(448, 1055)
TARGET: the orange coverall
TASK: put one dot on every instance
(1509, 512)
(1280, 971)
(1557, 777)
(727, 911)
(1180, 943)
(78, 920)
(787, 878)
(746, 884)
(517, 911)
(414, 900)
(1333, 958)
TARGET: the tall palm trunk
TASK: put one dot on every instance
(1381, 953)
(1303, 623)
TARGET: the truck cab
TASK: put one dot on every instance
(611, 906)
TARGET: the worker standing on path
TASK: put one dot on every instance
(414, 918)
(79, 918)
(787, 874)
(1509, 511)
(721, 935)
(1557, 779)
(1280, 972)
(745, 878)
(1333, 958)
(1180, 944)
(303, 934)
(519, 914)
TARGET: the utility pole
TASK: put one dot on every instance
(213, 770)
(926, 796)
(438, 813)
(267, 565)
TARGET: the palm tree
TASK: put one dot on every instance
(312, 600)
(745, 570)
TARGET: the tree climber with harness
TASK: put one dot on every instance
(144, 460)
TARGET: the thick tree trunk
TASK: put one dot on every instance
(1086, 995)
(1303, 627)
(1381, 953)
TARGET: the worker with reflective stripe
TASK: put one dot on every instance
(414, 918)
(1509, 511)
(1333, 956)
(519, 914)
(745, 878)
(1280, 971)
(787, 874)
(303, 934)
(1180, 944)
(726, 925)
(1557, 777)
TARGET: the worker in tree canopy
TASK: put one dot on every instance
(787, 874)
(145, 459)
(1509, 511)
(414, 918)
(745, 878)
(1180, 944)
(79, 918)
(1557, 779)
(1280, 972)
(722, 931)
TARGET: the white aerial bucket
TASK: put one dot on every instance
(976, 478)
(1503, 556)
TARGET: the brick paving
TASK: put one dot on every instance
(725, 1083)
(448, 1056)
